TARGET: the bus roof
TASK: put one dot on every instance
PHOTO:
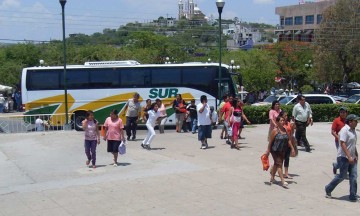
(128, 63)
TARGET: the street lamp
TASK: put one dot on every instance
(220, 5)
(66, 126)
(167, 60)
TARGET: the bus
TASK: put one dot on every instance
(103, 86)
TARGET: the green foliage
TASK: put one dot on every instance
(306, 89)
(321, 112)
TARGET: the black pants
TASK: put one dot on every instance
(301, 134)
(131, 126)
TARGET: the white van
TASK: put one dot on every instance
(310, 98)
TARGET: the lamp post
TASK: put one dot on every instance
(167, 60)
(220, 5)
(66, 126)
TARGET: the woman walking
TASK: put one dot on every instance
(114, 134)
(92, 137)
(273, 113)
(234, 121)
(289, 127)
(179, 106)
(278, 143)
(150, 124)
(163, 116)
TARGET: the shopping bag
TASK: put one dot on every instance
(122, 148)
(229, 131)
(102, 131)
(265, 162)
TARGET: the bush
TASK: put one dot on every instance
(321, 112)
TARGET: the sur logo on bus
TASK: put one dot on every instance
(163, 93)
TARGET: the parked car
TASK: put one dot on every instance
(355, 99)
(310, 98)
(269, 100)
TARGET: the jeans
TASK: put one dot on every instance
(344, 165)
(193, 124)
(90, 150)
(131, 126)
(301, 134)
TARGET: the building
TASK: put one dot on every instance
(189, 10)
(300, 22)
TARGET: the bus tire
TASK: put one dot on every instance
(78, 118)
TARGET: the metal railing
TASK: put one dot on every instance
(19, 123)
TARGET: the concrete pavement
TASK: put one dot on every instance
(45, 174)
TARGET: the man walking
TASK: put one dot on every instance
(132, 116)
(204, 121)
(336, 126)
(302, 115)
(347, 158)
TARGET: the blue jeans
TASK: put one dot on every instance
(344, 168)
(193, 124)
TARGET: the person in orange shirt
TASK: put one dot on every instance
(289, 127)
(336, 126)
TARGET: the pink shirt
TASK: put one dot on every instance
(113, 129)
(162, 110)
(273, 114)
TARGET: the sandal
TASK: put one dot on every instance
(285, 185)
(288, 177)
(272, 180)
(235, 147)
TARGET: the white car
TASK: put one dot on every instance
(310, 98)
(269, 100)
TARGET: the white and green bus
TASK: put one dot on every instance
(103, 86)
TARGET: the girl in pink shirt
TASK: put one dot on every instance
(273, 113)
(92, 137)
(114, 134)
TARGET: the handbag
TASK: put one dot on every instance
(265, 162)
(229, 131)
(122, 148)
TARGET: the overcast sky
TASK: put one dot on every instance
(41, 19)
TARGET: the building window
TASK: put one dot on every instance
(298, 20)
(288, 21)
(309, 19)
(318, 18)
(282, 21)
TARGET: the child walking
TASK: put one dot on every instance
(92, 137)
(150, 124)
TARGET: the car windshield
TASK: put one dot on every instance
(286, 100)
(270, 98)
(353, 99)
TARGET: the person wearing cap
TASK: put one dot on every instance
(347, 158)
(302, 114)
(336, 126)
(204, 121)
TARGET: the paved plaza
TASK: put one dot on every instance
(45, 174)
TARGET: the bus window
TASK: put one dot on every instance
(199, 78)
(104, 78)
(166, 77)
(76, 79)
(135, 77)
(43, 80)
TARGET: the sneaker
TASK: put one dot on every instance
(115, 165)
(133, 138)
(334, 168)
(203, 147)
(148, 147)
(128, 138)
(87, 162)
(228, 142)
(328, 194)
(354, 200)
(142, 145)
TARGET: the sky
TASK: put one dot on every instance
(40, 20)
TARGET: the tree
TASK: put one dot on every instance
(338, 40)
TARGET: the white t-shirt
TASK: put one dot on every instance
(152, 117)
(39, 125)
(348, 136)
(204, 117)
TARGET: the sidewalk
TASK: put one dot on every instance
(45, 174)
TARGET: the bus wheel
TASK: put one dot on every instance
(78, 118)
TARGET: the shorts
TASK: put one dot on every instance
(113, 145)
(204, 131)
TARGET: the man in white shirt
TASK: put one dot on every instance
(302, 114)
(204, 121)
(347, 158)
